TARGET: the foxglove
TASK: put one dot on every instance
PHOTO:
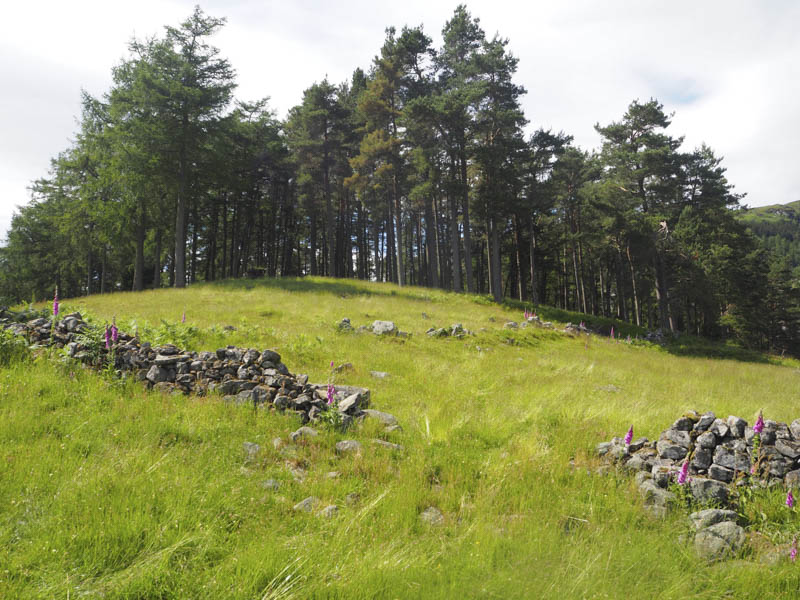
(629, 436)
(612, 332)
(793, 551)
(682, 475)
(55, 303)
(183, 317)
(108, 338)
(759, 426)
(790, 499)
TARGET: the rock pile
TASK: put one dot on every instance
(456, 330)
(240, 375)
(720, 454)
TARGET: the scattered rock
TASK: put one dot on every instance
(303, 432)
(306, 505)
(348, 446)
(389, 445)
(251, 451)
(432, 516)
(719, 540)
(344, 325)
(271, 484)
(379, 374)
(384, 328)
(329, 512)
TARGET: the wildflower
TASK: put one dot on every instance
(108, 338)
(330, 393)
(114, 330)
(183, 317)
(759, 426)
(682, 475)
(753, 469)
(55, 303)
(789, 499)
(612, 332)
(629, 436)
(793, 551)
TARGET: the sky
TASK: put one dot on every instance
(729, 70)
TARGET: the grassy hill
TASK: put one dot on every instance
(110, 491)
(778, 226)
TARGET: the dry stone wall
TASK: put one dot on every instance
(241, 375)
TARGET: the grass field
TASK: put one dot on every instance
(110, 491)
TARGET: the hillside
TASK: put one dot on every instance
(116, 492)
(778, 227)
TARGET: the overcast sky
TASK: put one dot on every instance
(728, 69)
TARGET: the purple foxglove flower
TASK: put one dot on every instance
(183, 317)
(55, 304)
(790, 499)
(114, 333)
(793, 551)
(682, 475)
(331, 364)
(612, 332)
(330, 394)
(108, 338)
(753, 469)
(759, 426)
(629, 436)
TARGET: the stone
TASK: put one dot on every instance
(719, 540)
(329, 512)
(667, 449)
(384, 328)
(641, 477)
(683, 424)
(303, 432)
(702, 458)
(720, 473)
(163, 360)
(352, 498)
(794, 428)
(719, 428)
(251, 451)
(792, 478)
(306, 505)
(511, 325)
(637, 463)
(787, 448)
(708, 490)
(344, 325)
(389, 445)
(333, 474)
(379, 374)
(724, 457)
(711, 516)
(270, 356)
(383, 417)
(350, 403)
(706, 440)
(271, 484)
(348, 446)
(282, 402)
(653, 494)
(603, 448)
(677, 436)
(637, 444)
(705, 422)
(298, 473)
(736, 426)
(156, 374)
(432, 516)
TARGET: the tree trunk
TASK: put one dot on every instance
(494, 261)
(467, 227)
(157, 261)
(636, 308)
(180, 212)
(138, 266)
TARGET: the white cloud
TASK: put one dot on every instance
(727, 68)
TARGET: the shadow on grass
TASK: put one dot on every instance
(343, 288)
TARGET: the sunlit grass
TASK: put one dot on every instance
(110, 491)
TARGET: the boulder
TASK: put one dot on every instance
(306, 505)
(432, 516)
(708, 490)
(384, 328)
(348, 447)
(719, 540)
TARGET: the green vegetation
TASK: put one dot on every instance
(419, 170)
(111, 491)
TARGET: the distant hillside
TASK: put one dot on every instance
(778, 226)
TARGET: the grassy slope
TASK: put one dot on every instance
(110, 491)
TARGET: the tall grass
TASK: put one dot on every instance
(111, 491)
